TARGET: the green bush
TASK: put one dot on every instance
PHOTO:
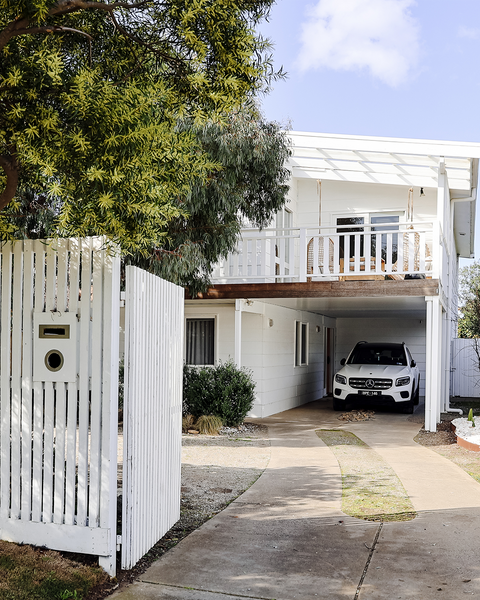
(224, 391)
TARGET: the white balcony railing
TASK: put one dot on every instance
(331, 253)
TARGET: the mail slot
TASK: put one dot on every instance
(55, 347)
(58, 332)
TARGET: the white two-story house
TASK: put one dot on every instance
(366, 248)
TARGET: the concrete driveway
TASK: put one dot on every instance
(287, 537)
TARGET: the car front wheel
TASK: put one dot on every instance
(339, 404)
(408, 407)
(416, 397)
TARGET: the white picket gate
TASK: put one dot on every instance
(152, 411)
(59, 358)
(465, 371)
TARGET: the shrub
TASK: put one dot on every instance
(188, 421)
(209, 424)
(224, 391)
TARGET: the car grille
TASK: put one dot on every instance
(378, 384)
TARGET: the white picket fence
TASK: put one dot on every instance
(59, 359)
(153, 411)
(57, 474)
(465, 368)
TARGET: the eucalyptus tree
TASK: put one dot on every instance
(250, 186)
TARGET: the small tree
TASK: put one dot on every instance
(469, 296)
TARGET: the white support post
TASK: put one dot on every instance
(238, 333)
(303, 255)
(439, 225)
(433, 373)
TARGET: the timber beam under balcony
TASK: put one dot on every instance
(322, 289)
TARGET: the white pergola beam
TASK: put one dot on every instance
(382, 145)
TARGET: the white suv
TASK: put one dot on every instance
(381, 373)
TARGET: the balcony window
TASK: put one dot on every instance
(352, 221)
(377, 220)
(200, 342)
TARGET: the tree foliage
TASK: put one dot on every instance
(248, 189)
(469, 319)
(91, 97)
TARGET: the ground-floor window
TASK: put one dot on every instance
(301, 343)
(200, 342)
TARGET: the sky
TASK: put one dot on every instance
(395, 68)
(399, 68)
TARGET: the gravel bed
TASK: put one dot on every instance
(217, 469)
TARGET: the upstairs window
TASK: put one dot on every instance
(200, 342)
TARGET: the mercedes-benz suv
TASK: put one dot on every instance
(380, 373)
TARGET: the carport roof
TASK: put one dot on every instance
(392, 308)
(339, 307)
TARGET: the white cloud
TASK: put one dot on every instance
(471, 33)
(379, 35)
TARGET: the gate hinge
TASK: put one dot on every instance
(119, 542)
(122, 299)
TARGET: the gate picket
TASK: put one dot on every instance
(152, 412)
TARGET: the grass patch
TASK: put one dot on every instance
(370, 488)
(28, 573)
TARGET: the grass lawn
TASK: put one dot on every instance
(370, 488)
(28, 573)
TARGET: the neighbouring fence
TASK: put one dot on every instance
(465, 371)
(59, 359)
(152, 417)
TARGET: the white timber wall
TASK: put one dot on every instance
(361, 198)
(58, 465)
(268, 349)
(224, 316)
(154, 318)
(465, 370)
(411, 331)
(268, 340)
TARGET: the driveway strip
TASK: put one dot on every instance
(287, 538)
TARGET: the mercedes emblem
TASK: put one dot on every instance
(370, 383)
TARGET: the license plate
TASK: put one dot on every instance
(369, 393)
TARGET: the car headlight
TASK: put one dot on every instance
(402, 381)
(341, 379)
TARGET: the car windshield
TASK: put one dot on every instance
(378, 355)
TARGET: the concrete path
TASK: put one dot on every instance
(287, 538)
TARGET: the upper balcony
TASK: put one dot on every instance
(341, 253)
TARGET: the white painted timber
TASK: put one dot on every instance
(58, 438)
(154, 317)
(315, 252)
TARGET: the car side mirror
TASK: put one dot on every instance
(343, 361)
(413, 363)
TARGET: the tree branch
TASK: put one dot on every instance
(49, 29)
(62, 7)
(10, 168)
